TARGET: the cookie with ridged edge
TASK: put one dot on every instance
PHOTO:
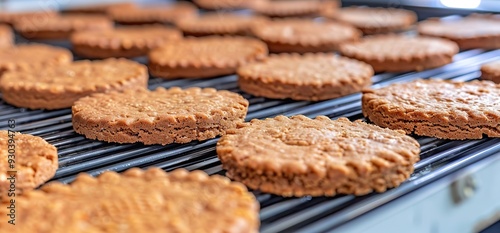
(61, 27)
(204, 57)
(299, 156)
(100, 9)
(6, 36)
(376, 20)
(437, 108)
(491, 71)
(304, 36)
(153, 14)
(34, 16)
(60, 86)
(218, 24)
(472, 32)
(27, 56)
(130, 41)
(138, 201)
(292, 8)
(162, 116)
(35, 163)
(397, 53)
(304, 77)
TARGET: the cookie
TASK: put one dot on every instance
(59, 86)
(26, 56)
(100, 9)
(304, 36)
(153, 14)
(6, 36)
(131, 41)
(289, 8)
(138, 201)
(299, 156)
(217, 24)
(163, 116)
(376, 20)
(308, 77)
(224, 4)
(478, 31)
(437, 108)
(34, 16)
(61, 27)
(491, 71)
(397, 53)
(34, 161)
(204, 57)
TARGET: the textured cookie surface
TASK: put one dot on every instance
(158, 117)
(476, 31)
(138, 201)
(11, 17)
(437, 108)
(400, 53)
(61, 27)
(217, 24)
(288, 8)
(376, 20)
(153, 14)
(131, 41)
(25, 56)
(491, 71)
(302, 36)
(204, 57)
(300, 156)
(6, 36)
(35, 162)
(308, 77)
(59, 86)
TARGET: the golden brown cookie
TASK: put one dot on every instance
(6, 36)
(158, 117)
(100, 9)
(437, 108)
(491, 71)
(204, 57)
(130, 41)
(61, 27)
(153, 14)
(138, 201)
(304, 36)
(217, 24)
(59, 86)
(308, 77)
(26, 162)
(33, 16)
(477, 31)
(26, 56)
(291, 8)
(397, 53)
(376, 20)
(299, 156)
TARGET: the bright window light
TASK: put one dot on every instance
(461, 3)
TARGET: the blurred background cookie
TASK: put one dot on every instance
(218, 24)
(26, 56)
(491, 71)
(152, 14)
(6, 36)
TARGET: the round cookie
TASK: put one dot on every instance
(376, 20)
(27, 56)
(224, 4)
(304, 36)
(34, 16)
(491, 71)
(204, 57)
(217, 24)
(35, 162)
(131, 41)
(289, 8)
(153, 14)
(6, 36)
(394, 53)
(158, 117)
(477, 31)
(138, 201)
(100, 9)
(437, 108)
(308, 77)
(60, 86)
(61, 27)
(299, 156)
